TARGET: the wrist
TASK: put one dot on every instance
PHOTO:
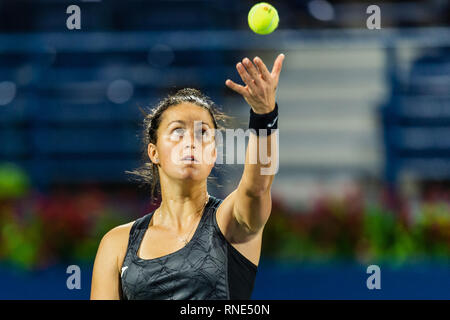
(265, 121)
(264, 110)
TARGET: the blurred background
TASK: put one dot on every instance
(364, 137)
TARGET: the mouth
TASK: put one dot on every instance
(189, 159)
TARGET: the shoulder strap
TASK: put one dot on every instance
(213, 204)
(136, 233)
(216, 202)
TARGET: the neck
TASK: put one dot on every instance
(182, 202)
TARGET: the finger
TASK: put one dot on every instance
(262, 68)
(277, 67)
(245, 76)
(253, 72)
(236, 87)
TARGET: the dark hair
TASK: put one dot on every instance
(148, 174)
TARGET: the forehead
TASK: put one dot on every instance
(186, 112)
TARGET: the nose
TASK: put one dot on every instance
(189, 141)
(189, 146)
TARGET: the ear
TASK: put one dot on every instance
(153, 153)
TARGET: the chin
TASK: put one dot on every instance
(189, 172)
(193, 172)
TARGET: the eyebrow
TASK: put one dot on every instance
(182, 122)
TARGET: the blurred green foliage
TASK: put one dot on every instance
(40, 229)
(353, 229)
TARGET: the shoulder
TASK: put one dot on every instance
(117, 237)
(120, 234)
(247, 243)
(115, 242)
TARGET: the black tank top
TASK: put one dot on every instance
(208, 267)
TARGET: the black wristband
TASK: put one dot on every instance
(264, 121)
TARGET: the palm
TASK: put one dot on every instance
(260, 84)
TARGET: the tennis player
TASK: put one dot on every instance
(194, 245)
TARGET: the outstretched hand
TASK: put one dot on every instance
(261, 85)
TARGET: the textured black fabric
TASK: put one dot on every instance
(266, 121)
(207, 267)
(241, 275)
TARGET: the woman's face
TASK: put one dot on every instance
(185, 147)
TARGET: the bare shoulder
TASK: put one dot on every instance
(115, 241)
(105, 274)
(118, 234)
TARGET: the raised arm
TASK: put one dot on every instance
(251, 202)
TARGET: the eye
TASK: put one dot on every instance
(177, 133)
(207, 135)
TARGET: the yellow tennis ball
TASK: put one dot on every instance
(263, 18)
